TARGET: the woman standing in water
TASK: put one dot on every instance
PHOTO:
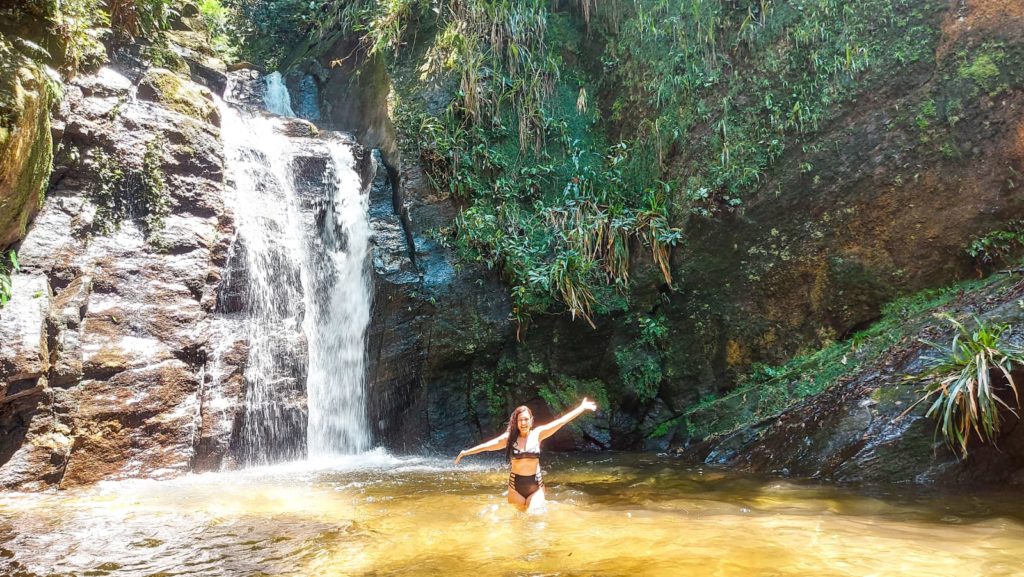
(525, 488)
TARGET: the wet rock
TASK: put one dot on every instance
(166, 87)
(65, 319)
(35, 443)
(299, 128)
(224, 384)
(247, 87)
(105, 83)
(193, 47)
(24, 355)
(860, 430)
(139, 423)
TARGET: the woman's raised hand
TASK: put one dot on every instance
(588, 405)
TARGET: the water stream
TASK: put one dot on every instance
(608, 515)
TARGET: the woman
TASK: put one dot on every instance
(525, 487)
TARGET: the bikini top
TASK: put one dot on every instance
(517, 454)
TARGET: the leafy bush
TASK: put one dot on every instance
(640, 371)
(567, 171)
(959, 376)
(218, 27)
(7, 269)
(132, 18)
(998, 245)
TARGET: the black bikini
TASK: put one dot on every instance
(525, 485)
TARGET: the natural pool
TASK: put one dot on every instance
(608, 515)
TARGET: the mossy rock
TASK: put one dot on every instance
(164, 56)
(166, 87)
(26, 146)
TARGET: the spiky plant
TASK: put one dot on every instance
(965, 399)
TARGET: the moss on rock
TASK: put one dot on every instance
(166, 87)
(26, 146)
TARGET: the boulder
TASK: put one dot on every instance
(166, 87)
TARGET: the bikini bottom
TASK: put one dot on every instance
(525, 485)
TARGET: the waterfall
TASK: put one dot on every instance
(303, 235)
(275, 98)
(337, 325)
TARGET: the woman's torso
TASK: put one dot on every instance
(526, 465)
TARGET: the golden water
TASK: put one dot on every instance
(608, 515)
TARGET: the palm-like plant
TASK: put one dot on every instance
(960, 378)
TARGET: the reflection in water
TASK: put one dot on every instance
(629, 515)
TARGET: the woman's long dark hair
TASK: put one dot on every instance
(513, 430)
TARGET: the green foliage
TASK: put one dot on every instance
(556, 204)
(653, 330)
(218, 20)
(138, 194)
(998, 246)
(79, 26)
(163, 56)
(926, 114)
(562, 392)
(132, 18)
(215, 16)
(277, 34)
(641, 363)
(742, 81)
(640, 371)
(967, 399)
(8, 267)
(487, 388)
(68, 34)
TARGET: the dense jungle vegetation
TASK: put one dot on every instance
(580, 134)
(583, 139)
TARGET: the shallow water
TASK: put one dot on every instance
(608, 515)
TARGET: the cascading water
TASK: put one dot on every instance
(339, 315)
(304, 242)
(275, 97)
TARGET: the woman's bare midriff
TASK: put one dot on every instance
(525, 466)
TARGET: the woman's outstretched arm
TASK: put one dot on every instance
(551, 428)
(492, 445)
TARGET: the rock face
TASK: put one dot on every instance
(112, 325)
(887, 208)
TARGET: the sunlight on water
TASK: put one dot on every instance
(375, 514)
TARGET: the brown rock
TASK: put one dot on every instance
(139, 423)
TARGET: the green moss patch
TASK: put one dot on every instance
(166, 87)
(26, 147)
